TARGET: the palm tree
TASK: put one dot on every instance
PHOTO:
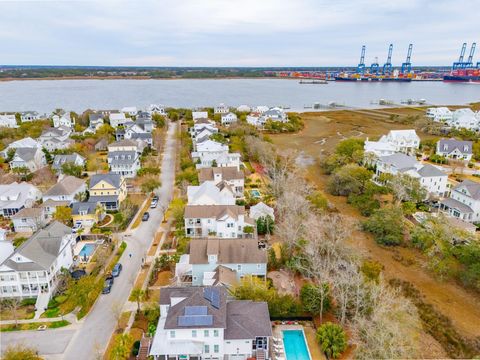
(138, 295)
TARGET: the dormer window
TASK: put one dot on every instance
(445, 147)
(465, 148)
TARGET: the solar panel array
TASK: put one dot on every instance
(196, 310)
(212, 295)
(195, 320)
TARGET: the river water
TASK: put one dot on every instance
(78, 95)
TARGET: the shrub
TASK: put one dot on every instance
(332, 339)
(386, 225)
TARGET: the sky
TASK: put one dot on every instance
(234, 32)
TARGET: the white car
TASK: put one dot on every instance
(153, 204)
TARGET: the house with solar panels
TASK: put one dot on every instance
(203, 323)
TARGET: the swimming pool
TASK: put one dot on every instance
(255, 193)
(295, 345)
(87, 250)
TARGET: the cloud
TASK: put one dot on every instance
(232, 32)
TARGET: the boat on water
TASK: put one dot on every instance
(463, 75)
(371, 78)
(321, 82)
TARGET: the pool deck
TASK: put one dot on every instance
(80, 246)
(315, 353)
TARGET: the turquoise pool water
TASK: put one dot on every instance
(255, 193)
(87, 250)
(295, 346)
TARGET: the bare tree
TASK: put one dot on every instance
(12, 304)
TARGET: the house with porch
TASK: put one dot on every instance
(203, 323)
(124, 157)
(60, 159)
(29, 220)
(440, 114)
(157, 109)
(66, 189)
(57, 138)
(222, 221)
(464, 202)
(96, 120)
(466, 119)
(30, 158)
(16, 196)
(455, 149)
(400, 141)
(87, 213)
(199, 115)
(229, 119)
(27, 142)
(33, 268)
(63, 120)
(209, 193)
(108, 189)
(208, 258)
(221, 109)
(29, 116)
(8, 120)
(118, 119)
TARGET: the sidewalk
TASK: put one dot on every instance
(71, 318)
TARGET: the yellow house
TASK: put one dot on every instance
(108, 189)
(87, 213)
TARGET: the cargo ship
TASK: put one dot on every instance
(371, 78)
(463, 75)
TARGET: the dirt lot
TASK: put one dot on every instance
(453, 301)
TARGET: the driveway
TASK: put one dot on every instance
(91, 338)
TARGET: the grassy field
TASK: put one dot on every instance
(322, 132)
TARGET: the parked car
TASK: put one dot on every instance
(77, 226)
(107, 285)
(153, 204)
(117, 269)
(155, 198)
(145, 216)
(78, 274)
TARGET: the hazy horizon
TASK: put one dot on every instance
(236, 33)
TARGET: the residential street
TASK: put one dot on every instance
(89, 338)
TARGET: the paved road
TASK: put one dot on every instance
(91, 337)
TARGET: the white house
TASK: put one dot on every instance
(65, 190)
(257, 121)
(208, 193)
(260, 109)
(229, 119)
(130, 110)
(27, 142)
(465, 118)
(275, 114)
(56, 138)
(403, 141)
(63, 120)
(8, 120)
(157, 109)
(464, 201)
(74, 159)
(124, 157)
(221, 159)
(203, 323)
(29, 220)
(96, 120)
(16, 196)
(221, 109)
(230, 175)
(222, 221)
(32, 270)
(29, 116)
(430, 177)
(455, 149)
(440, 114)
(31, 158)
(118, 119)
(244, 108)
(212, 262)
(379, 148)
(199, 115)
(261, 210)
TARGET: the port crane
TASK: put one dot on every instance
(361, 64)
(469, 62)
(374, 67)
(459, 64)
(407, 65)
(387, 67)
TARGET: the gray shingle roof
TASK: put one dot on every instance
(228, 173)
(111, 178)
(472, 187)
(59, 160)
(455, 204)
(89, 207)
(247, 319)
(449, 145)
(122, 157)
(213, 211)
(26, 154)
(42, 248)
(67, 186)
(400, 161)
(229, 251)
(430, 171)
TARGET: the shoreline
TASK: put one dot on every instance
(10, 79)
